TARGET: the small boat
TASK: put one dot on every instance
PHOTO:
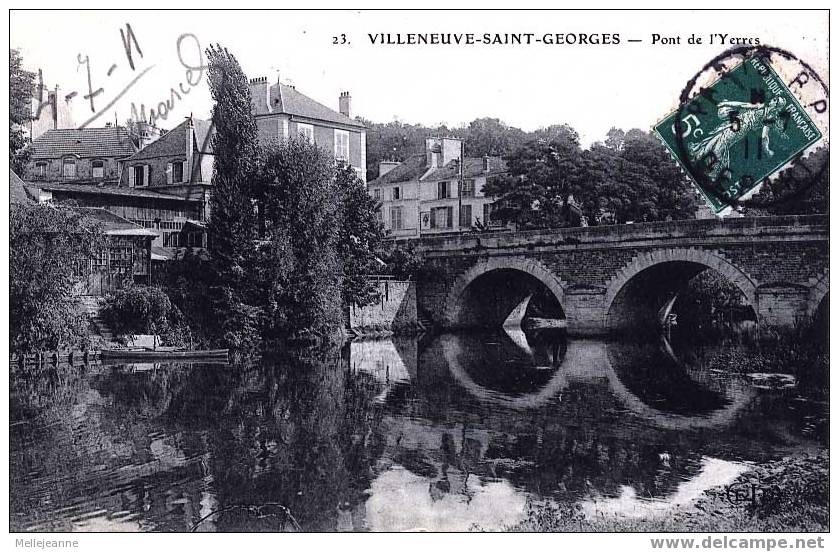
(146, 354)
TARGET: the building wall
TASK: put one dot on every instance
(407, 201)
(395, 309)
(273, 128)
(418, 199)
(171, 214)
(280, 127)
(84, 169)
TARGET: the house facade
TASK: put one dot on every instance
(422, 196)
(282, 112)
(87, 155)
(178, 163)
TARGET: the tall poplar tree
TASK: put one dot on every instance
(232, 226)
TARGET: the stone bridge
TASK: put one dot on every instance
(607, 278)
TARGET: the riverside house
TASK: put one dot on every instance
(421, 196)
(282, 112)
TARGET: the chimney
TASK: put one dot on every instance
(260, 95)
(433, 152)
(344, 103)
(387, 166)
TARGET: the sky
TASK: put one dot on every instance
(591, 88)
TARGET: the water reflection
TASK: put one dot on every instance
(441, 433)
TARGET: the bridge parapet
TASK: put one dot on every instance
(685, 232)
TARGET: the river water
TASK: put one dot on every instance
(450, 432)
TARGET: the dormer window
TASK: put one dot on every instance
(97, 168)
(139, 175)
(175, 172)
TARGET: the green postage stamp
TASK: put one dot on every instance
(740, 130)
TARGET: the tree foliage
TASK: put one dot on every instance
(300, 212)
(631, 177)
(543, 176)
(21, 88)
(46, 244)
(292, 234)
(139, 310)
(360, 237)
(232, 227)
(798, 190)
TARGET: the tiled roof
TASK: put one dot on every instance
(17, 189)
(173, 143)
(285, 99)
(473, 167)
(110, 190)
(410, 169)
(415, 167)
(83, 142)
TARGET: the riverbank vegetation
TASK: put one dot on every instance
(292, 238)
(46, 244)
(792, 496)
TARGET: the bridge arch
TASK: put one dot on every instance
(533, 268)
(690, 260)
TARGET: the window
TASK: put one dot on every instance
(488, 209)
(379, 214)
(465, 216)
(176, 169)
(139, 175)
(377, 194)
(396, 218)
(342, 145)
(468, 188)
(97, 168)
(308, 132)
(69, 168)
(40, 171)
(443, 190)
(395, 193)
(171, 239)
(441, 217)
(194, 239)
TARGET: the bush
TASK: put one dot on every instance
(47, 244)
(140, 310)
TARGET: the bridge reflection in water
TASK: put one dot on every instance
(441, 434)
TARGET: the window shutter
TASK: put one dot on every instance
(131, 183)
(169, 173)
(187, 176)
(147, 174)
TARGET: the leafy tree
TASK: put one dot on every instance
(46, 243)
(631, 177)
(140, 310)
(361, 235)
(401, 261)
(799, 190)
(232, 226)
(488, 136)
(21, 88)
(543, 176)
(301, 211)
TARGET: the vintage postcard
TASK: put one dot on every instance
(448, 271)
